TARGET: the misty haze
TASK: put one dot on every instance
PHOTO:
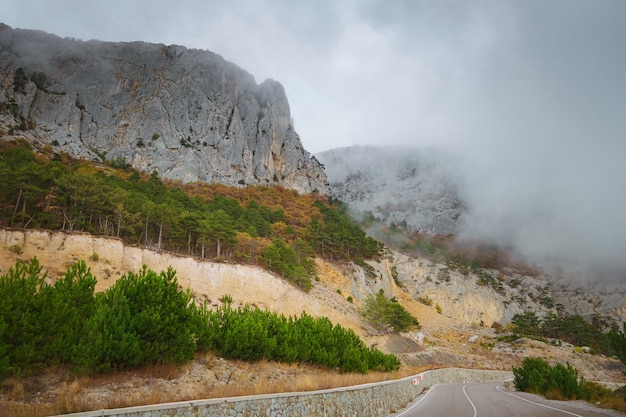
(528, 96)
(549, 215)
(425, 184)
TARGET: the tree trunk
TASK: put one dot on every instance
(160, 235)
(17, 203)
(146, 237)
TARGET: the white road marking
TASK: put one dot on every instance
(419, 401)
(470, 401)
(541, 405)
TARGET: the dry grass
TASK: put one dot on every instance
(614, 403)
(28, 410)
(18, 399)
(306, 382)
(555, 394)
(69, 394)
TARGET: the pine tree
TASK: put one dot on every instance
(20, 310)
(618, 343)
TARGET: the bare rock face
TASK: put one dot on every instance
(409, 187)
(489, 296)
(187, 114)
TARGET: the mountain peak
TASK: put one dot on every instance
(412, 187)
(185, 113)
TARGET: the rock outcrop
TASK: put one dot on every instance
(187, 114)
(409, 187)
(485, 296)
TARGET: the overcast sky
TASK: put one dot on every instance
(531, 92)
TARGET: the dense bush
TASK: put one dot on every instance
(144, 318)
(26, 333)
(573, 329)
(251, 334)
(286, 261)
(537, 376)
(561, 382)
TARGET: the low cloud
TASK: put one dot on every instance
(530, 93)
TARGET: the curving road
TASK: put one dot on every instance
(488, 400)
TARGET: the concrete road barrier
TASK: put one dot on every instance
(374, 400)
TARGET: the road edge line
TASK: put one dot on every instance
(536, 403)
(430, 389)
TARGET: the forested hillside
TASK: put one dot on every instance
(271, 226)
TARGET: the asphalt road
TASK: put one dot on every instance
(488, 400)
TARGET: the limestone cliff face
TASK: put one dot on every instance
(486, 296)
(411, 187)
(187, 114)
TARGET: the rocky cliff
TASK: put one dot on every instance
(484, 296)
(187, 114)
(409, 187)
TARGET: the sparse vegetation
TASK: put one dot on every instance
(370, 271)
(465, 257)
(426, 300)
(486, 279)
(395, 276)
(246, 378)
(16, 249)
(119, 163)
(384, 313)
(618, 343)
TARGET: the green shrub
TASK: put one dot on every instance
(283, 259)
(593, 392)
(426, 300)
(4, 351)
(384, 313)
(537, 376)
(16, 249)
(144, 318)
(251, 334)
(119, 163)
